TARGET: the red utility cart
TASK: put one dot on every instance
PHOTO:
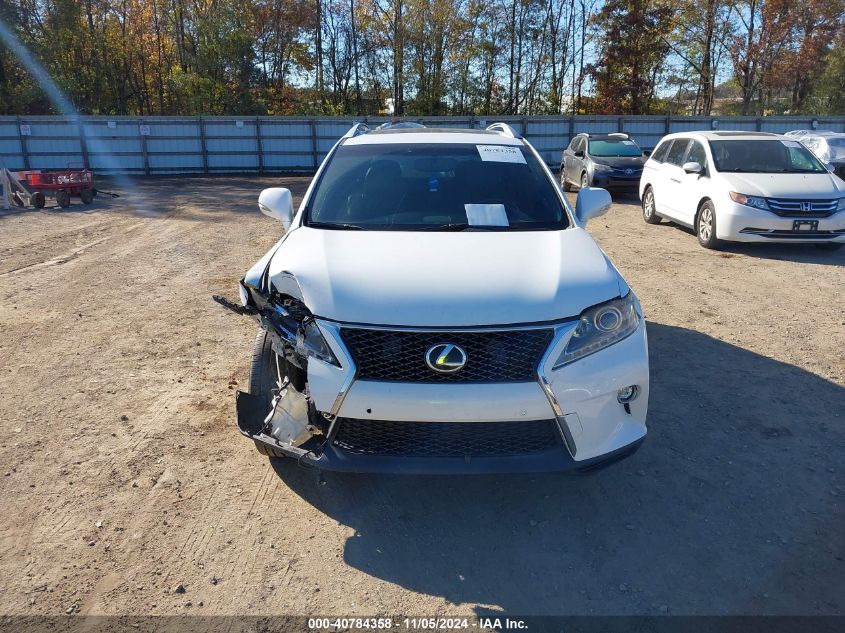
(60, 184)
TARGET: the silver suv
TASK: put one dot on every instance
(829, 147)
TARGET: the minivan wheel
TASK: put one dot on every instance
(705, 226)
(649, 208)
(585, 181)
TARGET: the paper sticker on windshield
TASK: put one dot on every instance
(486, 215)
(791, 143)
(500, 154)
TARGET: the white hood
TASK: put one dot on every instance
(432, 279)
(807, 186)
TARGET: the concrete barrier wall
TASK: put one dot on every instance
(207, 145)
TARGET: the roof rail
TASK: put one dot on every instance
(504, 128)
(355, 130)
(618, 135)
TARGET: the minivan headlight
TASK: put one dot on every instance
(601, 326)
(841, 205)
(750, 201)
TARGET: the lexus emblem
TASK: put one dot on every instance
(445, 358)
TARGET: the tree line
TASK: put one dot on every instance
(428, 57)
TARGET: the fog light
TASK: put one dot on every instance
(627, 394)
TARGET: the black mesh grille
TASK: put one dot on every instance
(494, 356)
(446, 439)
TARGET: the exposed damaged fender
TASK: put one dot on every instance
(314, 369)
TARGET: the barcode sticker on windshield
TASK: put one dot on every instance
(500, 154)
(791, 143)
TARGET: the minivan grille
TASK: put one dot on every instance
(492, 355)
(802, 208)
(446, 439)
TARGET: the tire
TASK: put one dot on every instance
(63, 199)
(263, 378)
(649, 207)
(38, 200)
(830, 246)
(585, 180)
(705, 226)
(563, 181)
(86, 195)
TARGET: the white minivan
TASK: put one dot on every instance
(743, 187)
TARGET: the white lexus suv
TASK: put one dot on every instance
(744, 187)
(435, 305)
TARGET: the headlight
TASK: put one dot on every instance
(601, 326)
(602, 167)
(750, 201)
(310, 342)
(841, 205)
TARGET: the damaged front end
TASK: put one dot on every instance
(279, 412)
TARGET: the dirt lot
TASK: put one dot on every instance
(122, 475)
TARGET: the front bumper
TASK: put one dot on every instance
(578, 400)
(611, 180)
(739, 223)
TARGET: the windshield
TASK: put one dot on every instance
(614, 147)
(405, 187)
(764, 157)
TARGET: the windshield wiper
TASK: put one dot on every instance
(461, 226)
(335, 226)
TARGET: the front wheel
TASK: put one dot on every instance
(563, 181)
(266, 375)
(705, 226)
(585, 180)
(649, 207)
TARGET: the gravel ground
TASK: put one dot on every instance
(126, 488)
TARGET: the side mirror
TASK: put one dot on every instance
(591, 203)
(277, 203)
(693, 168)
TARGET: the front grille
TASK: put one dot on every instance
(492, 356)
(446, 439)
(802, 208)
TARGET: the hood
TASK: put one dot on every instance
(446, 279)
(621, 162)
(806, 186)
